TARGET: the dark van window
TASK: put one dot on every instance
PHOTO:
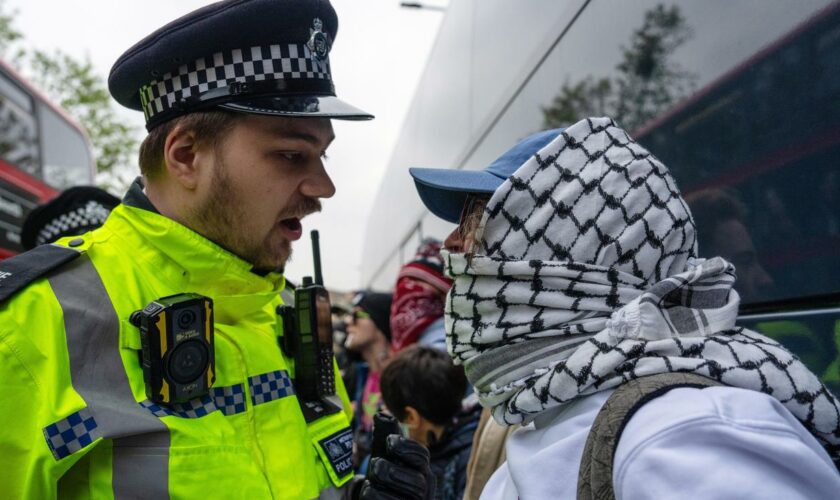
(741, 100)
(750, 128)
(757, 155)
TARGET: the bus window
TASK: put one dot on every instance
(67, 158)
(18, 128)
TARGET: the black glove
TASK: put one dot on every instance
(402, 473)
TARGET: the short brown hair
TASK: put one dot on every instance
(425, 379)
(209, 127)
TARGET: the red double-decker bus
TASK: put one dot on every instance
(42, 151)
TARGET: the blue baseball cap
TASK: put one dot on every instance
(444, 191)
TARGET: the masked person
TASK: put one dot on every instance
(238, 99)
(580, 310)
(417, 309)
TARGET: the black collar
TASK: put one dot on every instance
(135, 197)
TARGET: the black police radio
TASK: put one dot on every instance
(307, 336)
(178, 358)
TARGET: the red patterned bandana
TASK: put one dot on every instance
(418, 302)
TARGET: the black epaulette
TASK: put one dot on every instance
(19, 271)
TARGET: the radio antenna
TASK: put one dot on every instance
(316, 257)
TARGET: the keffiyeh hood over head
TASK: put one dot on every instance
(586, 276)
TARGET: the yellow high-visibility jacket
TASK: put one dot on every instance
(74, 418)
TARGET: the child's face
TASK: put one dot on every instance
(415, 427)
(413, 432)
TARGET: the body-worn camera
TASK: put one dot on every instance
(176, 333)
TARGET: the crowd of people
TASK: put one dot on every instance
(392, 355)
(567, 339)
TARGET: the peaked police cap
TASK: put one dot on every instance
(268, 57)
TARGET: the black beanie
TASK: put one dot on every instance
(378, 305)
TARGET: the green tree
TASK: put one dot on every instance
(650, 80)
(647, 81)
(75, 85)
(8, 33)
(588, 97)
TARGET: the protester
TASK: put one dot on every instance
(343, 358)
(580, 310)
(369, 335)
(417, 310)
(487, 454)
(75, 211)
(424, 390)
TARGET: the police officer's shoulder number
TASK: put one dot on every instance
(19, 271)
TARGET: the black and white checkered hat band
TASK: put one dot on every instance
(271, 62)
(77, 221)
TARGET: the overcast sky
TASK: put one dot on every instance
(379, 55)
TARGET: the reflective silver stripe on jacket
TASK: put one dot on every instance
(140, 440)
(332, 493)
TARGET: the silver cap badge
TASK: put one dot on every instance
(319, 42)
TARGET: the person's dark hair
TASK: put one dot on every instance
(378, 305)
(209, 128)
(425, 379)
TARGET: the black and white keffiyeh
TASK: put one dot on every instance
(586, 276)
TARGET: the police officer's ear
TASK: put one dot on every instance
(184, 157)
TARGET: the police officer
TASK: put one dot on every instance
(238, 98)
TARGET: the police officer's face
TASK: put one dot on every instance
(265, 176)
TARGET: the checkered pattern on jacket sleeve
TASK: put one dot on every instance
(71, 434)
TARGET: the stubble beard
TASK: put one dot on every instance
(221, 219)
